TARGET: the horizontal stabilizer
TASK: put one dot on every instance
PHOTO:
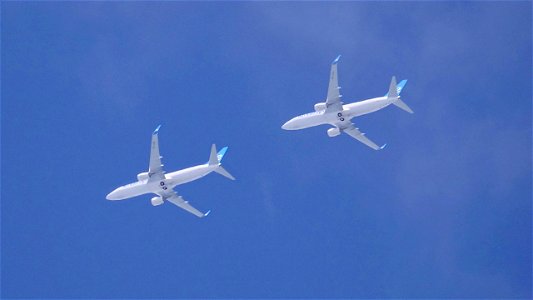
(394, 94)
(220, 170)
(403, 106)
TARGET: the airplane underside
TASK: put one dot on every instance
(155, 181)
(335, 113)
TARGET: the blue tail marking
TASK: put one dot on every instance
(399, 87)
(221, 153)
(157, 129)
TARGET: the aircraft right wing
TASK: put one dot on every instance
(155, 170)
(358, 135)
(180, 202)
(333, 101)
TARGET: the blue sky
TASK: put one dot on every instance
(443, 211)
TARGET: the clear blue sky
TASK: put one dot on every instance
(444, 211)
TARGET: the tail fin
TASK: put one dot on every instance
(399, 86)
(216, 159)
(394, 94)
(213, 159)
(393, 89)
(221, 153)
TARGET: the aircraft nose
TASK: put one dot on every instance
(113, 195)
(287, 125)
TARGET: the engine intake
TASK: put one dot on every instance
(157, 201)
(332, 132)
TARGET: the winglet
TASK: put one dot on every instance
(157, 129)
(383, 147)
(207, 213)
(336, 60)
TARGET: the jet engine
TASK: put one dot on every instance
(320, 106)
(157, 201)
(142, 176)
(334, 132)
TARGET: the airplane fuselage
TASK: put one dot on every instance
(348, 112)
(155, 186)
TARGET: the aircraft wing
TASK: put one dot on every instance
(333, 101)
(179, 201)
(358, 135)
(155, 170)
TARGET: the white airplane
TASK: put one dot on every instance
(157, 182)
(335, 113)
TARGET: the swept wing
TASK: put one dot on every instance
(333, 101)
(155, 170)
(354, 132)
(182, 203)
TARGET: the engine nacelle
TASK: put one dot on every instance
(157, 201)
(334, 132)
(142, 176)
(320, 106)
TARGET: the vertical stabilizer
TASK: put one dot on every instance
(394, 94)
(220, 154)
(399, 87)
(213, 159)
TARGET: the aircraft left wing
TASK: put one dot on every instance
(155, 170)
(180, 202)
(333, 101)
(360, 136)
